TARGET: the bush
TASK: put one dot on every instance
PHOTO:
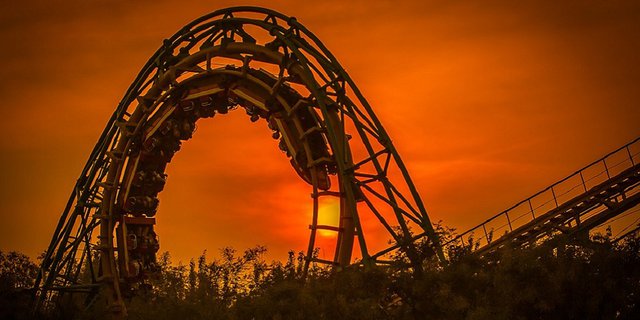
(579, 279)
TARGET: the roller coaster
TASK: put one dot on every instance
(277, 72)
(591, 197)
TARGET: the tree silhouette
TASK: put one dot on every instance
(571, 278)
(17, 275)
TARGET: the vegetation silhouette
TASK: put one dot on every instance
(578, 278)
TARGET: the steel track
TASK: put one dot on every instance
(278, 71)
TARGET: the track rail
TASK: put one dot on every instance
(578, 203)
(277, 70)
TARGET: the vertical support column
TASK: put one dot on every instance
(349, 220)
(109, 277)
(346, 236)
(314, 223)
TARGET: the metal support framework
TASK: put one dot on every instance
(588, 198)
(275, 69)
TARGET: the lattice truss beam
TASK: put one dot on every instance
(276, 70)
(603, 193)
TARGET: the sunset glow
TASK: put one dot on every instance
(486, 104)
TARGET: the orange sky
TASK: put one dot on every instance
(486, 102)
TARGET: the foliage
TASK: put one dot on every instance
(559, 279)
(17, 274)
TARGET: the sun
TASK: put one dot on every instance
(328, 215)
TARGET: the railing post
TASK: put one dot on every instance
(630, 156)
(531, 208)
(606, 169)
(506, 213)
(486, 235)
(555, 199)
(584, 185)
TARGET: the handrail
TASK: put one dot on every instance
(483, 225)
